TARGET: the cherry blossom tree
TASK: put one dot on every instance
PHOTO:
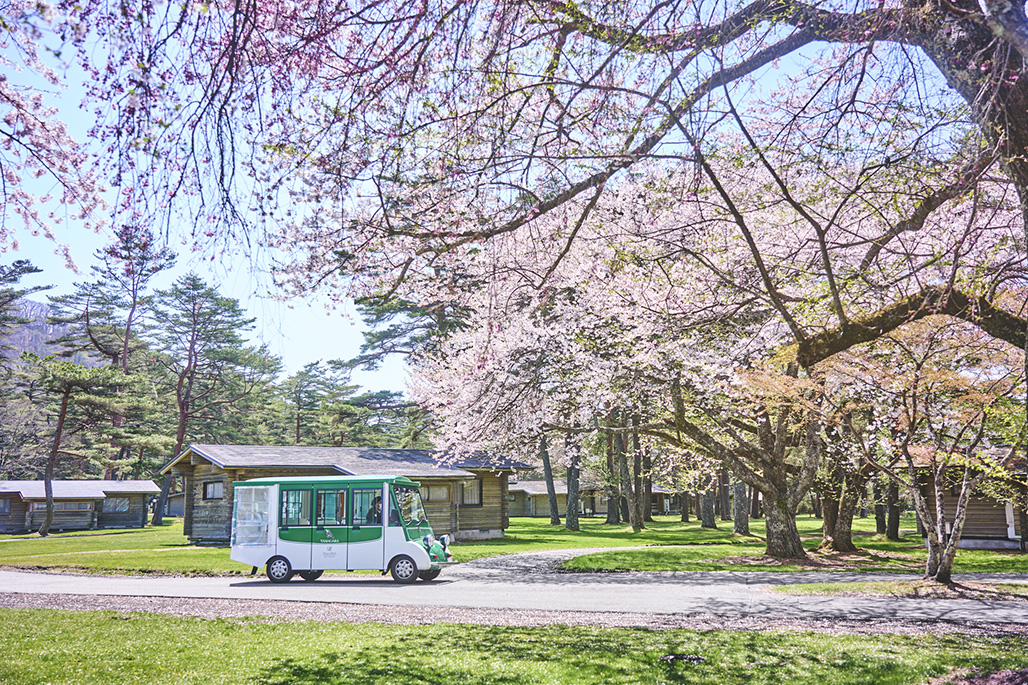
(660, 298)
(948, 414)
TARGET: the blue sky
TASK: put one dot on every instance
(298, 331)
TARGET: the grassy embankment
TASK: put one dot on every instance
(672, 546)
(106, 647)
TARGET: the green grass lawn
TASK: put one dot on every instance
(673, 545)
(106, 647)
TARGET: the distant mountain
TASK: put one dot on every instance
(35, 335)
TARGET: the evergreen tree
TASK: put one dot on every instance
(208, 364)
(91, 390)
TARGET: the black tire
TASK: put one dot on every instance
(430, 575)
(279, 570)
(310, 575)
(403, 569)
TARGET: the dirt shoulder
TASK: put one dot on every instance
(289, 611)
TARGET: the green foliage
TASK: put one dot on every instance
(108, 647)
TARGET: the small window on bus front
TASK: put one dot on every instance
(409, 502)
(331, 507)
(296, 508)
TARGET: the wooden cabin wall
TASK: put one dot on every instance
(491, 517)
(15, 521)
(135, 517)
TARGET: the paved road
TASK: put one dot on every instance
(528, 582)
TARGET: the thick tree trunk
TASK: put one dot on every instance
(878, 493)
(783, 539)
(647, 487)
(613, 495)
(815, 502)
(755, 506)
(551, 491)
(51, 463)
(631, 513)
(843, 536)
(723, 485)
(573, 471)
(707, 509)
(893, 512)
(685, 499)
(830, 515)
(740, 509)
(641, 504)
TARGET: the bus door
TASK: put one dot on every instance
(294, 526)
(331, 534)
(367, 542)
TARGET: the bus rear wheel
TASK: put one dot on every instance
(404, 569)
(310, 575)
(430, 575)
(279, 570)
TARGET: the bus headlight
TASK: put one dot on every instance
(444, 540)
(427, 541)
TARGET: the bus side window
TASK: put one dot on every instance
(331, 507)
(367, 506)
(296, 508)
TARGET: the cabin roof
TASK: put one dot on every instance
(78, 489)
(348, 461)
(291, 480)
(538, 487)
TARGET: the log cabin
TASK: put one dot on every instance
(78, 504)
(466, 498)
(530, 498)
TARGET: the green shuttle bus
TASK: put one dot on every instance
(309, 525)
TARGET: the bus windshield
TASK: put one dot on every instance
(409, 502)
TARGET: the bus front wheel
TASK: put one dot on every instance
(404, 569)
(279, 570)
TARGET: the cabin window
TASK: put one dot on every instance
(511, 497)
(296, 508)
(214, 490)
(437, 493)
(471, 493)
(5, 505)
(63, 506)
(331, 507)
(116, 505)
